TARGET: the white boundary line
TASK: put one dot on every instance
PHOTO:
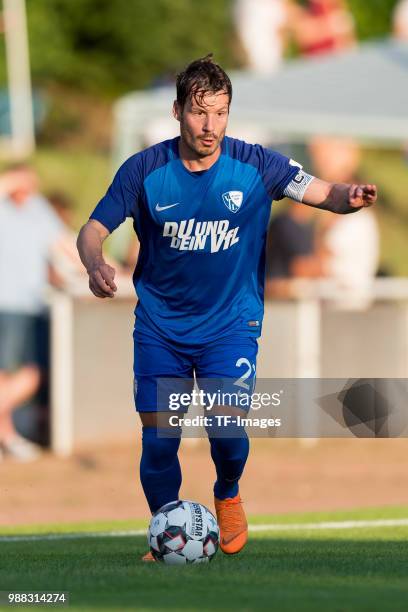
(331, 525)
(253, 528)
(73, 536)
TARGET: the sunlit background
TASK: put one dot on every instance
(85, 84)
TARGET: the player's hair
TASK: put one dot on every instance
(201, 77)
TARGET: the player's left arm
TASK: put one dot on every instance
(339, 198)
(284, 177)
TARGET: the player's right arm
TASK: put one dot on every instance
(119, 202)
(89, 243)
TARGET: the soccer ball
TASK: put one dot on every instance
(182, 532)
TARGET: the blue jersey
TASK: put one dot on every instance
(201, 267)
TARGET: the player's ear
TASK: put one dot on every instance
(176, 110)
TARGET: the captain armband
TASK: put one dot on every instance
(295, 190)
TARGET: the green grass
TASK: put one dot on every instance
(336, 570)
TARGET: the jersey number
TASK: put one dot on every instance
(250, 368)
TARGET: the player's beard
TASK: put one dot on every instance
(196, 143)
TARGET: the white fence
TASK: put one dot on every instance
(92, 352)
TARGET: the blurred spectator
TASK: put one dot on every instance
(334, 159)
(261, 28)
(352, 241)
(292, 251)
(63, 206)
(400, 20)
(322, 26)
(67, 269)
(66, 265)
(28, 229)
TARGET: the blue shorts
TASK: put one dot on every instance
(227, 364)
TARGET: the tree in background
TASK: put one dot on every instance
(85, 53)
(109, 47)
(373, 17)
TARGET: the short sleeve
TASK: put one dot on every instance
(122, 198)
(277, 172)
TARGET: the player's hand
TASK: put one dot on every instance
(362, 195)
(101, 281)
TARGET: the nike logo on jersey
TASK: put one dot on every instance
(192, 235)
(160, 208)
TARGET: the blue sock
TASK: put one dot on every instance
(229, 456)
(160, 472)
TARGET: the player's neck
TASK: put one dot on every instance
(193, 162)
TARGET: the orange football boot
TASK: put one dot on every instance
(148, 557)
(232, 523)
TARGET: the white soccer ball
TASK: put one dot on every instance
(182, 532)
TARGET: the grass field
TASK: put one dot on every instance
(296, 564)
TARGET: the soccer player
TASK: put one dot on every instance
(200, 205)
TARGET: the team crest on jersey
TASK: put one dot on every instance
(233, 200)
